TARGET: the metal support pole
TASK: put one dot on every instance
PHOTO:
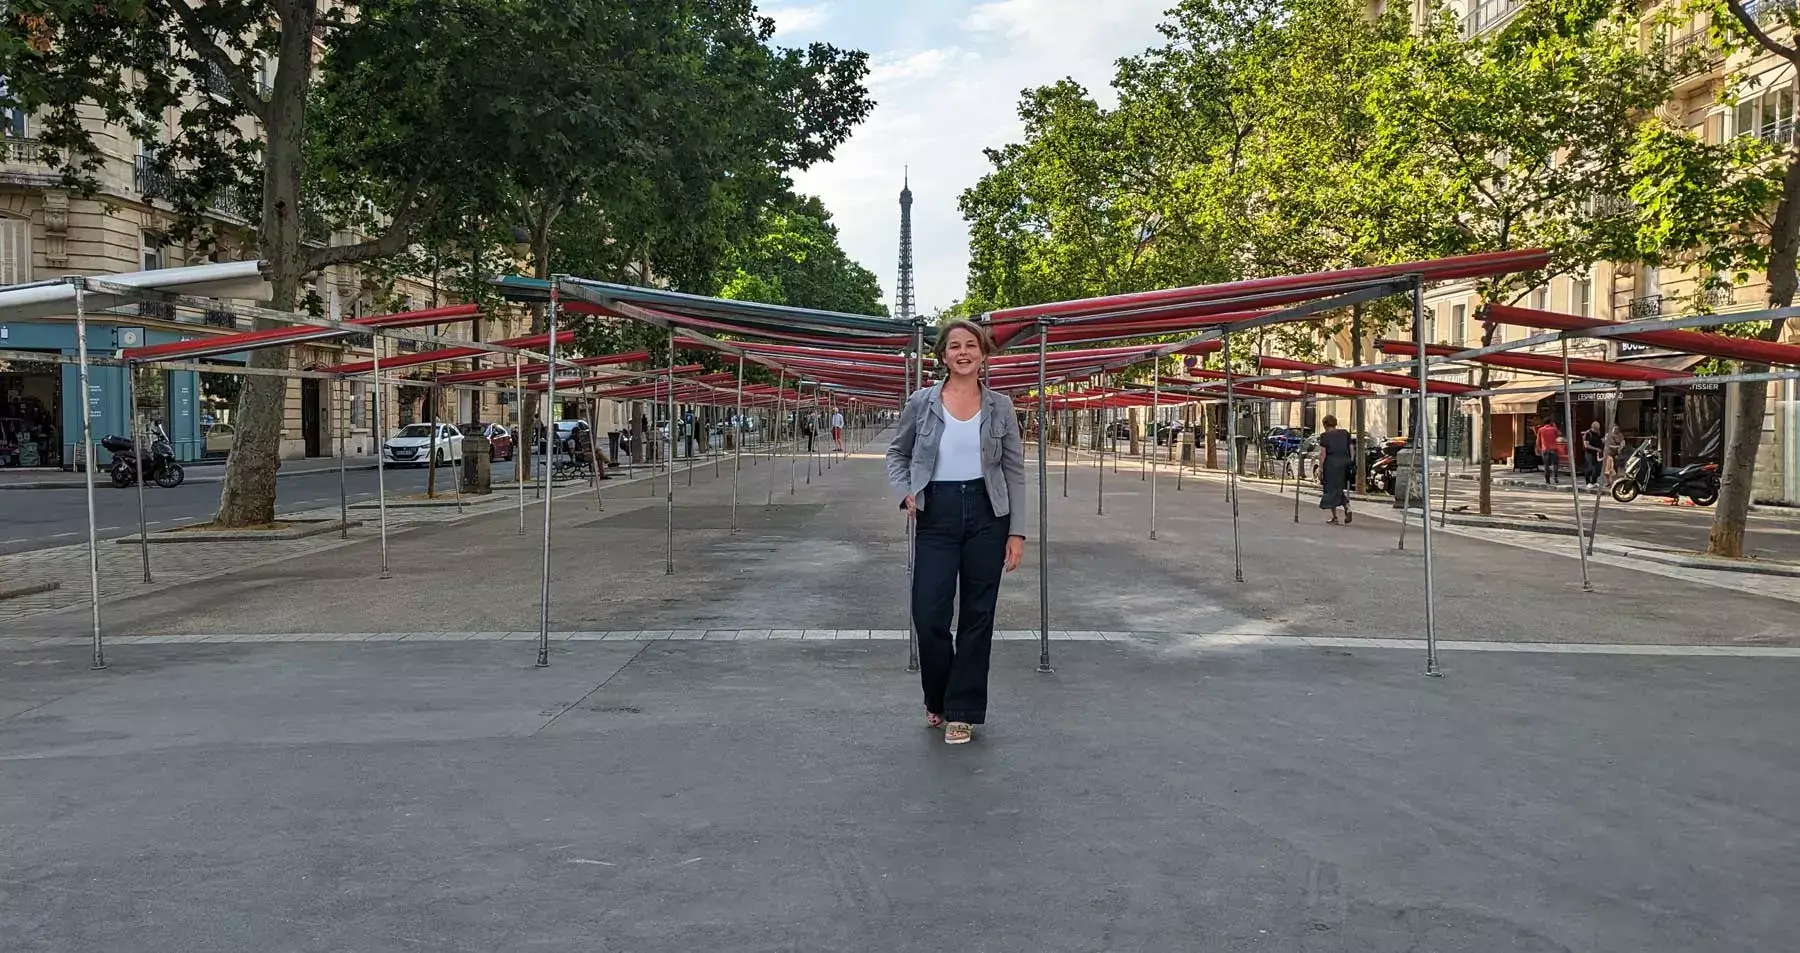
(1043, 468)
(1155, 419)
(774, 432)
(87, 466)
(669, 550)
(343, 467)
(794, 450)
(915, 370)
(525, 442)
(1431, 659)
(1405, 513)
(1100, 488)
(594, 451)
(737, 443)
(455, 474)
(1587, 584)
(1300, 461)
(139, 446)
(543, 658)
(1068, 435)
(380, 442)
(1231, 469)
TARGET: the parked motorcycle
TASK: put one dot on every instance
(1382, 460)
(161, 465)
(1644, 474)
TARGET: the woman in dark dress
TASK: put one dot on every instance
(1335, 467)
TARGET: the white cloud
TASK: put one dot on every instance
(939, 105)
(797, 18)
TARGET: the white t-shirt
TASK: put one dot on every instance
(959, 450)
(837, 421)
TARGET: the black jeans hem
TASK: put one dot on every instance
(979, 718)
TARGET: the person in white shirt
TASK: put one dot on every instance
(837, 429)
(958, 464)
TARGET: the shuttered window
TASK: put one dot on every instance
(15, 251)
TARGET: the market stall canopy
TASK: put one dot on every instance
(1441, 388)
(530, 342)
(1691, 342)
(243, 341)
(1541, 363)
(49, 299)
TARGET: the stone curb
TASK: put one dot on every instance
(320, 528)
(197, 481)
(16, 590)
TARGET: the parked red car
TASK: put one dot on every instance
(500, 440)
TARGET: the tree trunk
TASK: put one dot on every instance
(1745, 410)
(1137, 430)
(248, 496)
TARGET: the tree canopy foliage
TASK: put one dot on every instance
(631, 139)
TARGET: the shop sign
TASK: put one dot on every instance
(1597, 396)
(1705, 385)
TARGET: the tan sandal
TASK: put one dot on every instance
(959, 733)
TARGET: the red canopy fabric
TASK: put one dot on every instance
(1542, 363)
(1691, 342)
(284, 337)
(530, 342)
(1444, 388)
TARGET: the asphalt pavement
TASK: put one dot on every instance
(38, 519)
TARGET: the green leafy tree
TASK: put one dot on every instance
(1730, 210)
(1518, 139)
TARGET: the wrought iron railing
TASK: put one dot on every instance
(150, 180)
(1648, 306)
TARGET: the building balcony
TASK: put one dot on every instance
(149, 180)
(1694, 57)
(1486, 15)
(22, 161)
(1768, 11)
(1647, 306)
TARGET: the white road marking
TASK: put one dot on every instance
(60, 535)
(584, 860)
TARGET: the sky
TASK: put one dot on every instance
(946, 77)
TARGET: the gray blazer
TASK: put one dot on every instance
(912, 456)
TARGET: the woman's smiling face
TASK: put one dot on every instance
(962, 353)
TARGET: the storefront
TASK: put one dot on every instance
(40, 412)
(30, 414)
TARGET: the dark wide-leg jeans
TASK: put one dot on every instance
(961, 550)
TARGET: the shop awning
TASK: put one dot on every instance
(1518, 402)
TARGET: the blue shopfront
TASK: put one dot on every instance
(40, 416)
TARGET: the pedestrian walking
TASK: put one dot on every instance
(1335, 467)
(1547, 439)
(1593, 444)
(958, 462)
(1614, 449)
(837, 429)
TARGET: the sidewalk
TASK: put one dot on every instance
(198, 471)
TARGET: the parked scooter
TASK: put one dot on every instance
(1644, 474)
(161, 465)
(1382, 460)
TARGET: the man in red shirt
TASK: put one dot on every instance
(1547, 439)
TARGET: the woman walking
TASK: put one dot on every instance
(1335, 467)
(958, 463)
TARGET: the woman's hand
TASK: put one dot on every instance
(912, 509)
(1015, 552)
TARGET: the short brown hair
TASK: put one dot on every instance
(1330, 421)
(981, 335)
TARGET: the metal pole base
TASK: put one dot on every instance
(1153, 534)
(1434, 672)
(1045, 670)
(98, 666)
(543, 661)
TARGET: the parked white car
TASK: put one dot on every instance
(411, 446)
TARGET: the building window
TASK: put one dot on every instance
(1540, 298)
(15, 251)
(1581, 295)
(1459, 316)
(156, 251)
(359, 398)
(1769, 116)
